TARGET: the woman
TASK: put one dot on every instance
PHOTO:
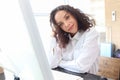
(76, 39)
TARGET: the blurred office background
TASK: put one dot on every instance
(105, 12)
(42, 9)
(107, 16)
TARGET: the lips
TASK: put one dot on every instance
(70, 28)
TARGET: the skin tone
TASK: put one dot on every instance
(66, 22)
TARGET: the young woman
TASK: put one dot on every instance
(76, 39)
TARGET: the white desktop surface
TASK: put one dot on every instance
(64, 76)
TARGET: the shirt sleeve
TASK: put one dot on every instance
(54, 55)
(89, 52)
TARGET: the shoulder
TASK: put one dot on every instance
(91, 31)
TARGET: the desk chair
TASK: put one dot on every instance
(109, 68)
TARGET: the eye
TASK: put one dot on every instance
(60, 24)
(67, 17)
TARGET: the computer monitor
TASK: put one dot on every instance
(21, 43)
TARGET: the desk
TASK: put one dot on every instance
(58, 75)
(86, 76)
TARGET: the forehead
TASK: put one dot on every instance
(60, 15)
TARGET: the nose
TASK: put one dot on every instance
(66, 24)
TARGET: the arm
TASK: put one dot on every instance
(54, 57)
(88, 54)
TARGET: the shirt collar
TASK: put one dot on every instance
(76, 36)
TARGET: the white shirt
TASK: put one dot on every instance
(80, 55)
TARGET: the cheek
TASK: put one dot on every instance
(76, 27)
(64, 29)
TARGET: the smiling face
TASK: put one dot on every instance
(66, 22)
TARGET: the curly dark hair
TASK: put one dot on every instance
(84, 22)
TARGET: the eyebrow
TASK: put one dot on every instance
(65, 14)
